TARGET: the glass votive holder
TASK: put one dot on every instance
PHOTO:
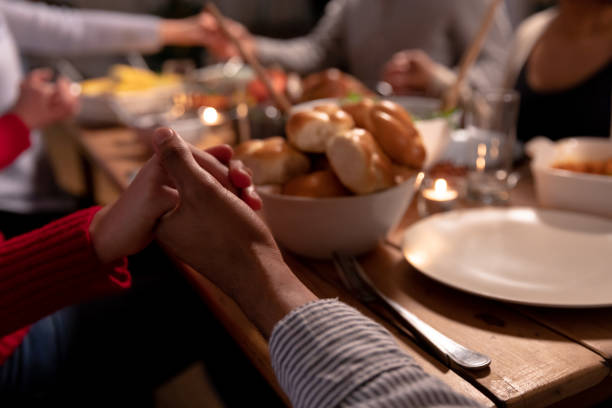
(438, 195)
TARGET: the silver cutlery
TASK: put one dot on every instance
(446, 349)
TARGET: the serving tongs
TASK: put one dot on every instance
(450, 99)
(447, 350)
(279, 98)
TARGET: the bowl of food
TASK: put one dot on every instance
(573, 174)
(332, 185)
(124, 93)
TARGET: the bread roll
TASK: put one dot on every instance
(273, 160)
(360, 112)
(309, 131)
(337, 116)
(329, 108)
(359, 162)
(331, 83)
(342, 121)
(323, 183)
(393, 109)
(403, 173)
(400, 141)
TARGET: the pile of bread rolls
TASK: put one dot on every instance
(332, 83)
(331, 150)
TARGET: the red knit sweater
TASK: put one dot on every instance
(49, 268)
(14, 138)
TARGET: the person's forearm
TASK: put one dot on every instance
(14, 138)
(270, 291)
(50, 31)
(327, 354)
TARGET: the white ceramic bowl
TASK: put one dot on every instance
(564, 189)
(108, 109)
(316, 227)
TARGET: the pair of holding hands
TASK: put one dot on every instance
(199, 206)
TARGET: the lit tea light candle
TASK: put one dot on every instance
(438, 198)
(440, 192)
(211, 117)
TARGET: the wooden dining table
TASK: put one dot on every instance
(540, 356)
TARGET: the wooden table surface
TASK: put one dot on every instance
(540, 356)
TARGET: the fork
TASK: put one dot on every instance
(446, 349)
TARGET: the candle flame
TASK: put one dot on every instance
(440, 186)
(481, 163)
(210, 115)
(482, 149)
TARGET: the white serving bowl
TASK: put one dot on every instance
(569, 190)
(111, 109)
(316, 227)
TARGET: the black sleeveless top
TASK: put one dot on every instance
(583, 110)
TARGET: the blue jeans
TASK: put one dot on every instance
(123, 345)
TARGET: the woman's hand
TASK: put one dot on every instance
(127, 226)
(42, 102)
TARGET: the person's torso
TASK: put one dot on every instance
(375, 30)
(27, 185)
(582, 110)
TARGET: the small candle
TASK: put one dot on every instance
(211, 117)
(441, 197)
(440, 192)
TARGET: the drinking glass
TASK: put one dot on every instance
(491, 128)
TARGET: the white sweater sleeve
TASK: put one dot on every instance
(50, 31)
(327, 354)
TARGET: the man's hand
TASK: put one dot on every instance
(42, 102)
(222, 238)
(127, 226)
(410, 72)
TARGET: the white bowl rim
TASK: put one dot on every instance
(547, 168)
(416, 180)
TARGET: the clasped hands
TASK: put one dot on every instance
(199, 206)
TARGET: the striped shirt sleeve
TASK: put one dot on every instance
(327, 354)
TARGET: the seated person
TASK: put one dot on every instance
(409, 44)
(82, 257)
(561, 64)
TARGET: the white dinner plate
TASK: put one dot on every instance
(522, 255)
